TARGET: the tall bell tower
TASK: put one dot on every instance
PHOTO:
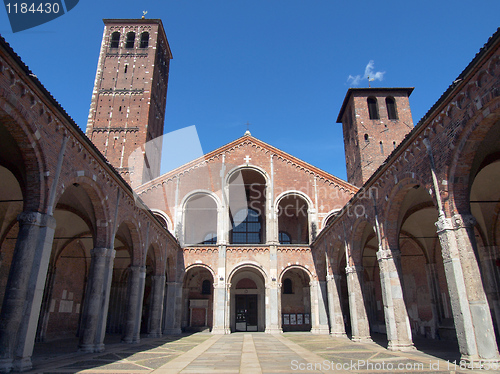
(374, 122)
(129, 98)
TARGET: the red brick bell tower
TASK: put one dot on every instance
(374, 121)
(129, 97)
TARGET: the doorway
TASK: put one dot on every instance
(246, 313)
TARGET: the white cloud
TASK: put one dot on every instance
(369, 74)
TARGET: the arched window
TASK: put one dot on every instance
(130, 40)
(249, 231)
(293, 219)
(287, 286)
(115, 40)
(366, 137)
(210, 238)
(390, 104)
(373, 108)
(200, 220)
(284, 238)
(144, 40)
(205, 287)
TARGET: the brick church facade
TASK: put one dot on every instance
(94, 241)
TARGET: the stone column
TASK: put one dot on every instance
(220, 322)
(273, 310)
(24, 290)
(396, 317)
(359, 318)
(432, 281)
(272, 305)
(319, 319)
(221, 298)
(337, 326)
(97, 294)
(471, 313)
(156, 312)
(173, 309)
(108, 278)
(134, 304)
(491, 278)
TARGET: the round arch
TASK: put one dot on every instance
(240, 168)
(396, 204)
(298, 267)
(357, 239)
(475, 143)
(198, 192)
(92, 199)
(164, 216)
(27, 163)
(293, 193)
(247, 298)
(250, 264)
(128, 233)
(200, 265)
(332, 213)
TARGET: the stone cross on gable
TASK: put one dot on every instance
(248, 131)
(247, 159)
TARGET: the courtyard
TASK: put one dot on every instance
(247, 353)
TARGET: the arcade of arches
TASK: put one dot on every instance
(248, 237)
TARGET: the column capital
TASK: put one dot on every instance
(463, 221)
(36, 219)
(354, 269)
(102, 252)
(333, 277)
(139, 269)
(443, 224)
(158, 276)
(385, 254)
(173, 283)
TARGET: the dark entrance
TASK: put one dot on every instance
(246, 312)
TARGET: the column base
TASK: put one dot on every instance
(6, 365)
(273, 330)
(220, 331)
(322, 330)
(154, 335)
(398, 346)
(362, 339)
(131, 341)
(338, 335)
(91, 348)
(23, 364)
(172, 331)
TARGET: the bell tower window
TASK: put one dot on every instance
(115, 40)
(144, 40)
(390, 104)
(373, 108)
(130, 40)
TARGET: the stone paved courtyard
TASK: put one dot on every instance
(246, 353)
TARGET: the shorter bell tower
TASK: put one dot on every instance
(374, 122)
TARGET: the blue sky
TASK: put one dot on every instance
(282, 65)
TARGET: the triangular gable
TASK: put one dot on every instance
(244, 140)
